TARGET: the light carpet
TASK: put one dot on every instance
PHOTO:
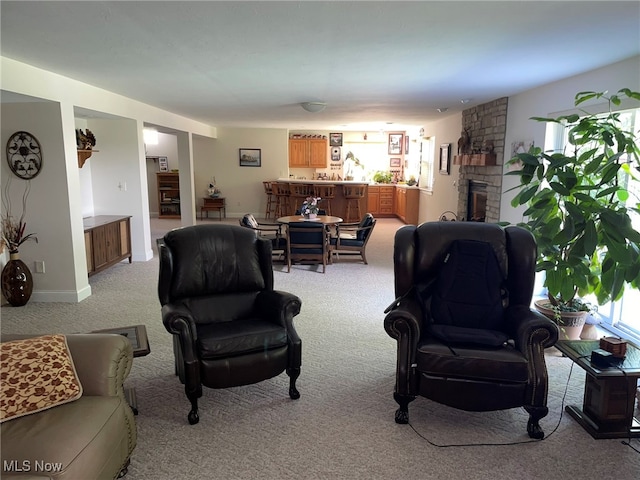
(343, 425)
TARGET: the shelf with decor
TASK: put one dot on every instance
(83, 156)
(168, 194)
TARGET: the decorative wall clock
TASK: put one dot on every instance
(24, 155)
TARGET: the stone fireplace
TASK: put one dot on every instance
(487, 123)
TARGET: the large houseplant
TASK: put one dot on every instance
(579, 207)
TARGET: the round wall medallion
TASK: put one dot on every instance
(24, 155)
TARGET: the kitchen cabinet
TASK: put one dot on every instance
(308, 152)
(107, 240)
(386, 200)
(168, 194)
(380, 200)
(407, 203)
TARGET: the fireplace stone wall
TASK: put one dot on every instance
(486, 122)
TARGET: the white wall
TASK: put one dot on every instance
(555, 97)
(52, 213)
(445, 187)
(241, 186)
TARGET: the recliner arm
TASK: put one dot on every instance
(528, 328)
(403, 323)
(278, 307)
(178, 321)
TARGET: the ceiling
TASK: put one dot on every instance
(377, 65)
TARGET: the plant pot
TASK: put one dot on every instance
(311, 216)
(570, 324)
(17, 281)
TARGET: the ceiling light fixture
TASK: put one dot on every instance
(464, 101)
(313, 107)
(442, 109)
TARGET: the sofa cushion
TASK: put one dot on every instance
(80, 440)
(37, 374)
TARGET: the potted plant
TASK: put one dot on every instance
(310, 207)
(578, 208)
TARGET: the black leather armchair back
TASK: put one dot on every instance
(187, 269)
(419, 252)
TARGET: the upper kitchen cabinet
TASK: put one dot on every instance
(308, 152)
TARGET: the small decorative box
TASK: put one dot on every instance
(616, 346)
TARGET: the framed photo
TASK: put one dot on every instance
(395, 162)
(445, 158)
(406, 144)
(395, 143)
(163, 164)
(335, 154)
(250, 157)
(335, 139)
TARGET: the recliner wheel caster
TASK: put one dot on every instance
(534, 430)
(193, 417)
(402, 416)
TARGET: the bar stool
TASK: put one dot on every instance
(281, 192)
(353, 193)
(298, 194)
(326, 193)
(271, 204)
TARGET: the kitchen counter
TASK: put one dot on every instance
(319, 182)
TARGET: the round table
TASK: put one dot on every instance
(324, 219)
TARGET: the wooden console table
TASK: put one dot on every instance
(210, 204)
(107, 240)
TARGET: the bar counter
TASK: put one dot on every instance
(339, 203)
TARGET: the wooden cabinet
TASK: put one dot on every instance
(407, 203)
(107, 240)
(373, 200)
(380, 200)
(386, 200)
(168, 195)
(308, 152)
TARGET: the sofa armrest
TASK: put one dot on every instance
(102, 362)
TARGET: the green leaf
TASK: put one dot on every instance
(561, 189)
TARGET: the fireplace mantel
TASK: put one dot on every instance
(478, 159)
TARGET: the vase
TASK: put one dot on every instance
(17, 281)
(570, 324)
(311, 216)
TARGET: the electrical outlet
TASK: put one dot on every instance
(39, 266)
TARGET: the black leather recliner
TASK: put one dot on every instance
(468, 376)
(229, 326)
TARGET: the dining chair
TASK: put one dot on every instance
(270, 231)
(352, 238)
(307, 242)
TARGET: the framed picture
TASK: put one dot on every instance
(395, 162)
(445, 158)
(406, 144)
(163, 164)
(250, 157)
(335, 154)
(335, 139)
(395, 143)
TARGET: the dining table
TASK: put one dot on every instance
(324, 219)
(328, 221)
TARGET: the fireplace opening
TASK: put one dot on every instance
(477, 201)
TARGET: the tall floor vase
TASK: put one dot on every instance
(17, 281)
